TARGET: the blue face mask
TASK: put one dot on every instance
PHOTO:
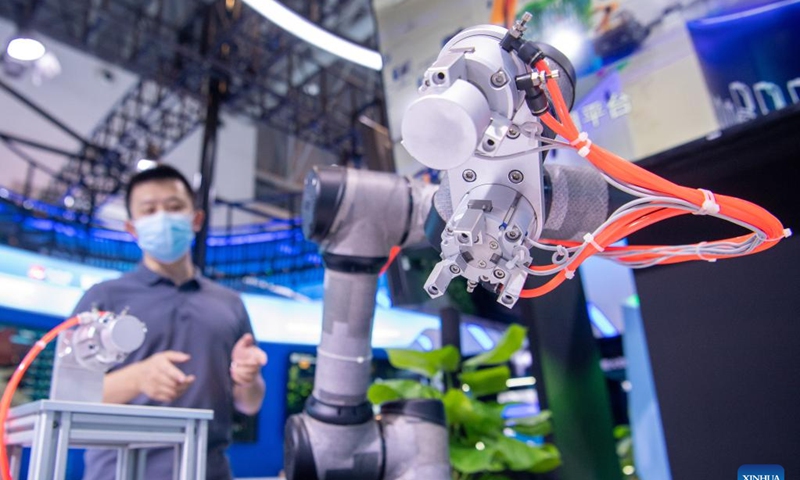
(165, 236)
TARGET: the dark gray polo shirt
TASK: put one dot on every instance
(200, 318)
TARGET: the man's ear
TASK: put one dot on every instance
(197, 221)
(130, 228)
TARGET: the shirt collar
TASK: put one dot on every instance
(149, 277)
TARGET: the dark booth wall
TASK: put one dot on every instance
(724, 337)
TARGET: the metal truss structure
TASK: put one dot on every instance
(183, 48)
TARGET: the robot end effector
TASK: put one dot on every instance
(85, 353)
(477, 120)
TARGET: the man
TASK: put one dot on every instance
(199, 350)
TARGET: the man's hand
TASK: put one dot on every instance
(160, 379)
(246, 361)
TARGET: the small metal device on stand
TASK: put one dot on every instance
(75, 417)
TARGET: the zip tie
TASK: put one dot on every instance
(583, 137)
(700, 254)
(561, 254)
(589, 238)
(569, 274)
(710, 206)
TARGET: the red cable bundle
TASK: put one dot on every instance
(660, 200)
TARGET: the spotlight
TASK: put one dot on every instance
(570, 41)
(146, 164)
(25, 49)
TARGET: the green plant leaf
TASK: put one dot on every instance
(510, 342)
(468, 459)
(379, 393)
(537, 425)
(516, 454)
(520, 456)
(487, 381)
(479, 419)
(486, 420)
(389, 390)
(426, 363)
(622, 431)
(457, 407)
(546, 458)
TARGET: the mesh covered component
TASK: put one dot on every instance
(578, 202)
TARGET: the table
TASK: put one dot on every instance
(51, 427)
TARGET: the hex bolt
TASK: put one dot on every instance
(499, 78)
(469, 175)
(513, 131)
(515, 176)
(499, 274)
(454, 269)
(471, 286)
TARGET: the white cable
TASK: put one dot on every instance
(344, 358)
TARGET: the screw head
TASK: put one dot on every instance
(515, 176)
(482, 264)
(499, 78)
(433, 290)
(469, 175)
(454, 269)
(499, 273)
(493, 245)
(512, 235)
(513, 131)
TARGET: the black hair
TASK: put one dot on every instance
(158, 173)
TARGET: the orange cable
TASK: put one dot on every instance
(626, 172)
(13, 383)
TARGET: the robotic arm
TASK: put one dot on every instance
(357, 217)
(471, 96)
(489, 107)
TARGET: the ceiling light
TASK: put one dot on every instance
(301, 28)
(25, 49)
(145, 164)
(569, 39)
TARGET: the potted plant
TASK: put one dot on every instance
(483, 444)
